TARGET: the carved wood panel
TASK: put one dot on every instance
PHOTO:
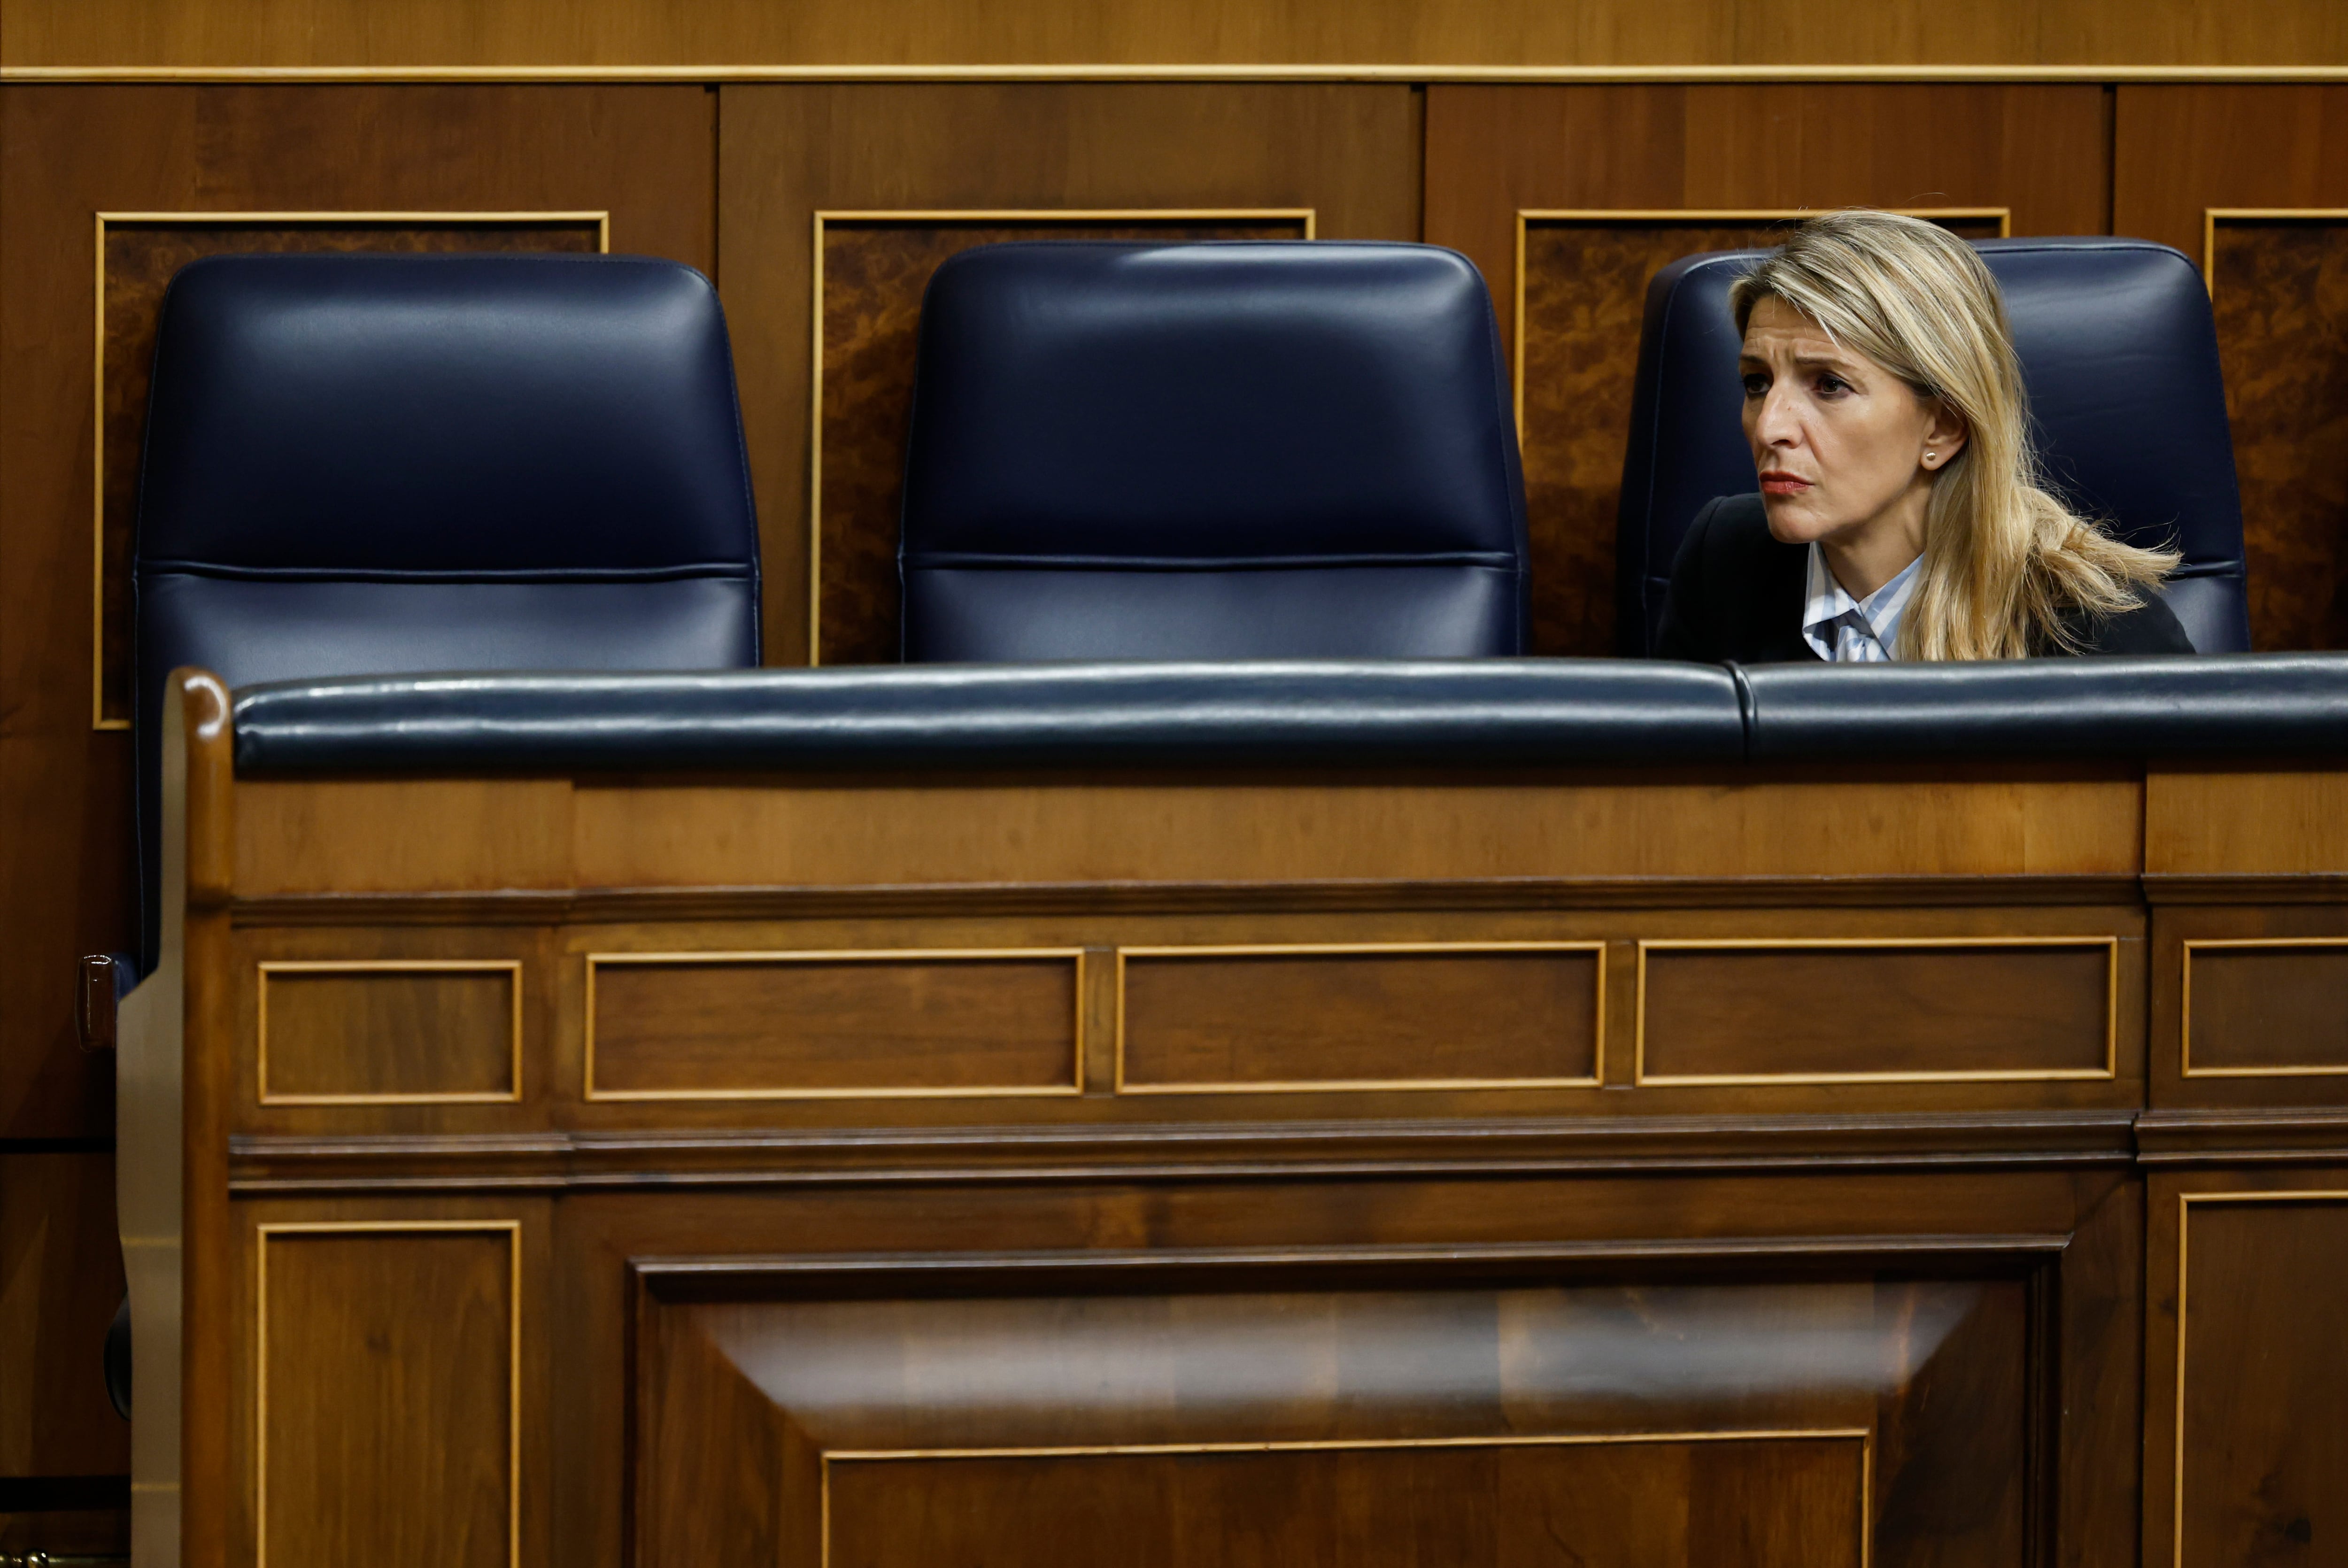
(1194, 1417)
(870, 271)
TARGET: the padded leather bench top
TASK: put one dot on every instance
(1450, 713)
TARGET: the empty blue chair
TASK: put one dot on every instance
(1222, 450)
(396, 464)
(2121, 359)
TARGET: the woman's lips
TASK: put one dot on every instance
(1783, 484)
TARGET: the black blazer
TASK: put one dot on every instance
(1737, 593)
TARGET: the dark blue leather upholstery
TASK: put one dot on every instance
(1452, 713)
(1449, 712)
(1226, 450)
(366, 464)
(2121, 359)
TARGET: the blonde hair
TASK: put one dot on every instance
(2003, 560)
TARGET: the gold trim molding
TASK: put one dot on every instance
(1497, 75)
(1641, 1077)
(602, 219)
(2184, 1066)
(267, 967)
(2213, 216)
(262, 1233)
(943, 215)
(2185, 1202)
(1075, 1085)
(1596, 1077)
(1863, 1436)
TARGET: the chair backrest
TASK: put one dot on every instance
(402, 464)
(2121, 359)
(1219, 450)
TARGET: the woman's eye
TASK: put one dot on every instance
(1829, 384)
(1756, 385)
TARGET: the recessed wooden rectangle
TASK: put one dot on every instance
(1792, 1499)
(2266, 1007)
(389, 1032)
(782, 1026)
(1242, 1019)
(387, 1399)
(2262, 1377)
(1891, 1010)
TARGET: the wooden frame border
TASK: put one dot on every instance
(1076, 1086)
(98, 719)
(1599, 216)
(262, 1234)
(1641, 1079)
(1498, 75)
(1597, 1078)
(2185, 1202)
(2185, 1068)
(268, 966)
(2213, 216)
(1863, 1436)
(943, 215)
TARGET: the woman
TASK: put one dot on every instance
(1899, 515)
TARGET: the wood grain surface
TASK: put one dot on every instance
(1193, 1020)
(381, 1032)
(874, 274)
(893, 31)
(2276, 1006)
(808, 1025)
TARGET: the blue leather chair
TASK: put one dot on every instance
(2121, 358)
(1220, 450)
(413, 463)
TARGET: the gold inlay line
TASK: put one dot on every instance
(263, 1232)
(1306, 215)
(1074, 956)
(267, 967)
(1596, 1077)
(2110, 1069)
(2185, 1010)
(2185, 1202)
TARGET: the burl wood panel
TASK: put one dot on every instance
(387, 1410)
(392, 1032)
(1328, 1019)
(2265, 1371)
(1585, 291)
(811, 1024)
(136, 266)
(1418, 1422)
(1792, 1502)
(1758, 1014)
(2280, 291)
(873, 276)
(2264, 1009)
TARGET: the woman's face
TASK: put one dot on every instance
(1837, 440)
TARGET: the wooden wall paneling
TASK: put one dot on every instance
(2247, 1004)
(2182, 153)
(2246, 1407)
(870, 269)
(1349, 153)
(619, 33)
(64, 1275)
(1612, 183)
(137, 254)
(388, 1031)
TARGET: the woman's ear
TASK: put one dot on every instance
(1944, 435)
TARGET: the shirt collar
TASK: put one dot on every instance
(1879, 614)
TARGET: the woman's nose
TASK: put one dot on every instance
(1776, 425)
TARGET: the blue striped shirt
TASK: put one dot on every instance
(1850, 631)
